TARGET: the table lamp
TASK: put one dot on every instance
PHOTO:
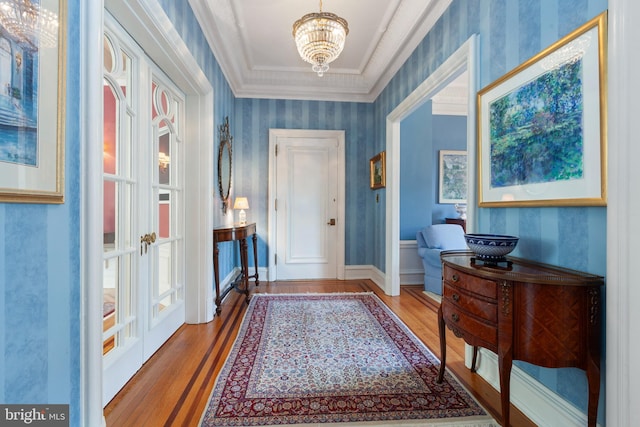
(241, 203)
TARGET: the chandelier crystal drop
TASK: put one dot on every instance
(320, 38)
(29, 24)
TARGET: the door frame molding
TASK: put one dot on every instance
(149, 25)
(274, 135)
(463, 58)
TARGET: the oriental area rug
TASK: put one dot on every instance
(345, 359)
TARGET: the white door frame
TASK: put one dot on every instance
(463, 58)
(146, 21)
(274, 135)
(623, 229)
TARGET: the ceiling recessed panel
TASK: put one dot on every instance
(253, 43)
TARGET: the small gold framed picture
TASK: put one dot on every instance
(377, 171)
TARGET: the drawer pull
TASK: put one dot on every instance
(456, 297)
(455, 317)
(455, 278)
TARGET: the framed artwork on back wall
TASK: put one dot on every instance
(453, 177)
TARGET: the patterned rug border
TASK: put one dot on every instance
(464, 421)
(479, 421)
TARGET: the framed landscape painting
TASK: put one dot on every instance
(32, 103)
(377, 171)
(453, 177)
(542, 127)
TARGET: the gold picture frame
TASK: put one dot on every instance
(32, 149)
(377, 171)
(542, 127)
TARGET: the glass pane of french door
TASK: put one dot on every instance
(167, 114)
(119, 183)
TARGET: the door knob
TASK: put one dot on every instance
(146, 240)
(332, 221)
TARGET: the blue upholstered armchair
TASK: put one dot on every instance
(431, 241)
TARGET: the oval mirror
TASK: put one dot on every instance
(224, 164)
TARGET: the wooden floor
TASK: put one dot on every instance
(173, 386)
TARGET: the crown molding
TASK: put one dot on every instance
(406, 27)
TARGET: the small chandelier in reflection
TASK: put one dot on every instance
(320, 38)
(29, 23)
(163, 161)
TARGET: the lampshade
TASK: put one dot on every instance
(241, 203)
(320, 38)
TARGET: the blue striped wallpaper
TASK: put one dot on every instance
(40, 276)
(40, 256)
(254, 118)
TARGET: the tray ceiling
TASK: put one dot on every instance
(253, 44)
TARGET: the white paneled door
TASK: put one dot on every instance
(143, 261)
(309, 213)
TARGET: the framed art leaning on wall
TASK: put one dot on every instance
(542, 127)
(32, 102)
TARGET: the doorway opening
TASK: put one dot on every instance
(465, 58)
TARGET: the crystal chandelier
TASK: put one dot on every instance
(29, 24)
(320, 38)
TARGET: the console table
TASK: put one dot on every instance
(523, 310)
(238, 233)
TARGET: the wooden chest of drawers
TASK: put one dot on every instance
(541, 314)
(471, 307)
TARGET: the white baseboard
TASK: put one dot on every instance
(411, 269)
(354, 272)
(226, 282)
(407, 277)
(537, 402)
(412, 277)
(263, 274)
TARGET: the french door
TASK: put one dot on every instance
(143, 258)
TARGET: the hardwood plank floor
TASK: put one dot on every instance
(172, 388)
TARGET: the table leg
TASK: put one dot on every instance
(593, 378)
(475, 358)
(443, 345)
(245, 267)
(255, 257)
(505, 361)
(216, 276)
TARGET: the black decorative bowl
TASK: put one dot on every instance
(491, 247)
